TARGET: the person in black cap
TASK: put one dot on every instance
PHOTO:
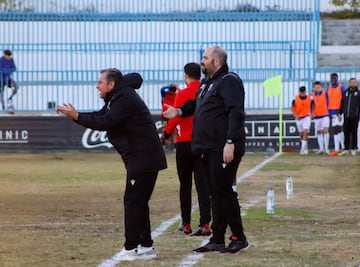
(302, 107)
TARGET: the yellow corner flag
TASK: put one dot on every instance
(273, 86)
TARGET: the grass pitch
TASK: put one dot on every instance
(65, 209)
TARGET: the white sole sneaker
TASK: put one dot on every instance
(126, 255)
(146, 253)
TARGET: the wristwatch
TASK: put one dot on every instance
(229, 141)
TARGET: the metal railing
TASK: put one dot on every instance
(60, 46)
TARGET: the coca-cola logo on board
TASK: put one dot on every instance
(93, 139)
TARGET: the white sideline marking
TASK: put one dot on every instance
(164, 226)
(256, 168)
(112, 262)
(193, 258)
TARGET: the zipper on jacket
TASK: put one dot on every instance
(348, 107)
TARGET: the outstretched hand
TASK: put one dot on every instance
(68, 110)
(170, 112)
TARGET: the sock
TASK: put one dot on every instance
(303, 145)
(326, 141)
(336, 142)
(320, 139)
(341, 138)
(11, 94)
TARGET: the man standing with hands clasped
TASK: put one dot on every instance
(219, 138)
(131, 131)
(350, 108)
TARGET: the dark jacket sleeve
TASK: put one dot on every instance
(234, 96)
(188, 108)
(113, 114)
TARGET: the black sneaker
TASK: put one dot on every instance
(210, 247)
(236, 246)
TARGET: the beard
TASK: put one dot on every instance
(208, 71)
(203, 70)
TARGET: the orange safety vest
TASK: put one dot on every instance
(321, 109)
(335, 95)
(302, 106)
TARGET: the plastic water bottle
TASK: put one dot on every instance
(289, 188)
(270, 201)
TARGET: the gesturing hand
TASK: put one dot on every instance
(170, 113)
(68, 110)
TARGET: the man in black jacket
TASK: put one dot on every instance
(131, 131)
(219, 137)
(350, 107)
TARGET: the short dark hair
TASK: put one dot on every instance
(113, 75)
(7, 52)
(334, 75)
(302, 89)
(193, 70)
(317, 83)
(352, 79)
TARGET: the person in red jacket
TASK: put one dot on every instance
(186, 161)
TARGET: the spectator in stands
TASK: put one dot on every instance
(131, 131)
(334, 91)
(302, 107)
(321, 117)
(219, 136)
(7, 68)
(350, 108)
(187, 162)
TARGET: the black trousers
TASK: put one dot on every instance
(225, 205)
(139, 188)
(350, 133)
(188, 164)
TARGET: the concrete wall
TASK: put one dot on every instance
(340, 43)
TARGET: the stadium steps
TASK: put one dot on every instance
(340, 43)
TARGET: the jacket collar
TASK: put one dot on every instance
(353, 90)
(223, 70)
